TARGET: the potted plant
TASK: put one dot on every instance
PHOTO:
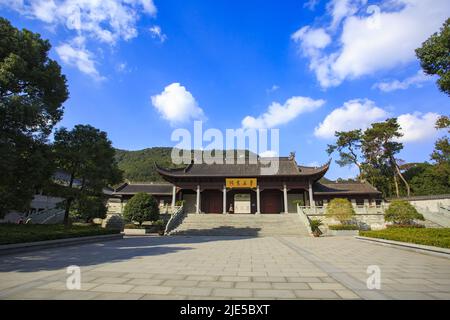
(315, 224)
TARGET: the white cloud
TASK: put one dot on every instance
(156, 32)
(341, 9)
(416, 80)
(44, 10)
(105, 21)
(360, 114)
(177, 105)
(354, 114)
(78, 56)
(311, 39)
(314, 164)
(417, 126)
(268, 154)
(311, 4)
(273, 88)
(278, 114)
(371, 39)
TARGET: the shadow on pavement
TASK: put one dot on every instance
(111, 251)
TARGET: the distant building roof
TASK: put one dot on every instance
(156, 188)
(418, 198)
(344, 188)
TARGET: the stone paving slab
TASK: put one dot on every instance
(225, 268)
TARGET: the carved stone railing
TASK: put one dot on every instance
(49, 216)
(304, 218)
(175, 220)
(365, 209)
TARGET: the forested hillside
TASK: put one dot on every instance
(139, 166)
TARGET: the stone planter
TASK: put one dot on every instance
(137, 232)
(113, 221)
(343, 232)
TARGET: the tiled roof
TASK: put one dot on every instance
(344, 188)
(151, 188)
(287, 167)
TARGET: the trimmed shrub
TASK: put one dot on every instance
(344, 227)
(142, 207)
(425, 236)
(88, 207)
(410, 226)
(341, 210)
(402, 213)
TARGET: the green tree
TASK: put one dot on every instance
(435, 58)
(441, 153)
(402, 212)
(348, 145)
(88, 207)
(141, 207)
(380, 146)
(340, 209)
(32, 91)
(428, 179)
(87, 156)
(380, 176)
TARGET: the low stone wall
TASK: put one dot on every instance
(374, 221)
(429, 203)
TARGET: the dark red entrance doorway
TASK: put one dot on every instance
(271, 201)
(212, 201)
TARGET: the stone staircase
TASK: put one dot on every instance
(242, 225)
(440, 219)
(430, 224)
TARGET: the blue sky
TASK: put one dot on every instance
(307, 68)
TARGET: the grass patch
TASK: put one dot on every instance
(428, 237)
(18, 233)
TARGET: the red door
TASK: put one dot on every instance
(212, 201)
(271, 201)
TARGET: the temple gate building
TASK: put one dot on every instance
(243, 189)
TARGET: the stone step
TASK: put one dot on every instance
(241, 225)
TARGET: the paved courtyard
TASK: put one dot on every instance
(225, 268)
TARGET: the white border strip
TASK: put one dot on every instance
(435, 251)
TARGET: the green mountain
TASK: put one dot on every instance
(139, 166)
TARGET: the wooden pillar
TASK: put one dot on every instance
(174, 195)
(197, 210)
(312, 204)
(258, 200)
(285, 198)
(224, 211)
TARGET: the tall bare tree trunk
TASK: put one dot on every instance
(396, 186)
(66, 211)
(68, 201)
(408, 189)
